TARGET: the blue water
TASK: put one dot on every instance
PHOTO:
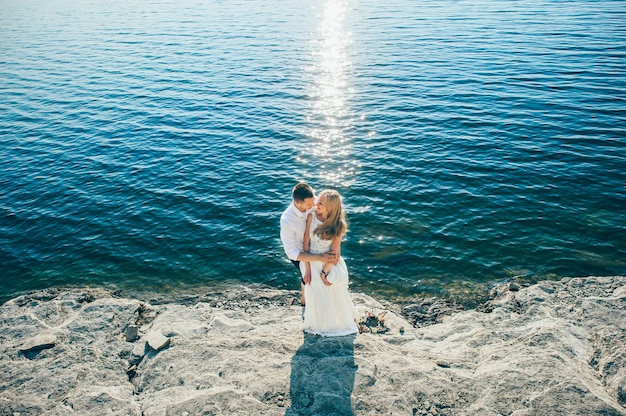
(152, 145)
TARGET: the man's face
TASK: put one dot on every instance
(305, 205)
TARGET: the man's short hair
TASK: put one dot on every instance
(302, 191)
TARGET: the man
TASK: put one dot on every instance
(292, 226)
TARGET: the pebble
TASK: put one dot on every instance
(132, 333)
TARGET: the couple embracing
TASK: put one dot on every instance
(311, 231)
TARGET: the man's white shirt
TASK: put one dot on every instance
(292, 227)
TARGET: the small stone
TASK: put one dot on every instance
(401, 330)
(513, 287)
(41, 341)
(443, 363)
(157, 341)
(132, 333)
(137, 353)
(131, 372)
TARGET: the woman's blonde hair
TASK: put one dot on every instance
(335, 224)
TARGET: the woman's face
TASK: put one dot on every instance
(320, 206)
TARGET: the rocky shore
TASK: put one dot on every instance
(554, 348)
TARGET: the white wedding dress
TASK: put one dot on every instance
(329, 310)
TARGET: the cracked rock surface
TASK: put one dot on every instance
(553, 348)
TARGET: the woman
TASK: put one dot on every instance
(329, 310)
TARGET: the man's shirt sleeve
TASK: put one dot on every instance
(288, 237)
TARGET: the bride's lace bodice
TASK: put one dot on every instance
(318, 245)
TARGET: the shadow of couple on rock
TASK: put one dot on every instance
(322, 376)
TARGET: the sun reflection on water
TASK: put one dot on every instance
(330, 120)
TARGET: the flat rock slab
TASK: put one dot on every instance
(39, 342)
(157, 341)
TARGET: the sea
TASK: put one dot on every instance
(152, 145)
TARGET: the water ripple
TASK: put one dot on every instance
(154, 144)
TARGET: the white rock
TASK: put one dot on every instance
(41, 341)
(224, 324)
(157, 341)
(555, 348)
